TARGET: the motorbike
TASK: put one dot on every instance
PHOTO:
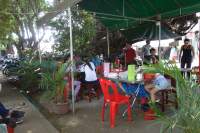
(9, 65)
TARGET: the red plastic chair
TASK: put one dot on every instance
(114, 99)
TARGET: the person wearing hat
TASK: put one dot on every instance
(186, 56)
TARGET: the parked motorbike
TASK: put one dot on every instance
(9, 65)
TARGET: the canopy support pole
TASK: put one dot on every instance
(199, 43)
(108, 43)
(39, 52)
(159, 36)
(38, 46)
(71, 58)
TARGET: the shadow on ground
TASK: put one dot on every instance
(87, 118)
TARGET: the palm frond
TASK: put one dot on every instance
(53, 83)
(187, 117)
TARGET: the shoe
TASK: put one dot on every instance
(11, 122)
(19, 120)
(157, 100)
(17, 114)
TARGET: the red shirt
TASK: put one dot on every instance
(130, 55)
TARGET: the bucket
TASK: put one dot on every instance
(148, 76)
(149, 115)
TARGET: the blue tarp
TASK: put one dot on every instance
(130, 89)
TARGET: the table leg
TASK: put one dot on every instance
(137, 92)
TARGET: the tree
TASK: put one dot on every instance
(6, 23)
(59, 6)
(83, 32)
(26, 13)
(20, 17)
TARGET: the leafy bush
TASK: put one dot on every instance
(28, 75)
(54, 83)
(187, 117)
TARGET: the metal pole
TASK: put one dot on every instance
(71, 57)
(39, 51)
(159, 36)
(108, 43)
(199, 43)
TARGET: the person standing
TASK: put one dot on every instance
(146, 49)
(130, 54)
(174, 50)
(186, 56)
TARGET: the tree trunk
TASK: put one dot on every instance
(19, 50)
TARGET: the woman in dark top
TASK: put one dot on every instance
(186, 56)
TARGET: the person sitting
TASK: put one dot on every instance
(67, 78)
(159, 82)
(77, 85)
(96, 61)
(90, 72)
(90, 76)
(151, 59)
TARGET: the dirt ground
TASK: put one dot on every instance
(87, 119)
(34, 121)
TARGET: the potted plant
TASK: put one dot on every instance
(56, 89)
(187, 117)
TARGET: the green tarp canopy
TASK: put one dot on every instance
(135, 18)
(148, 30)
(118, 14)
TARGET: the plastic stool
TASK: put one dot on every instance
(10, 129)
